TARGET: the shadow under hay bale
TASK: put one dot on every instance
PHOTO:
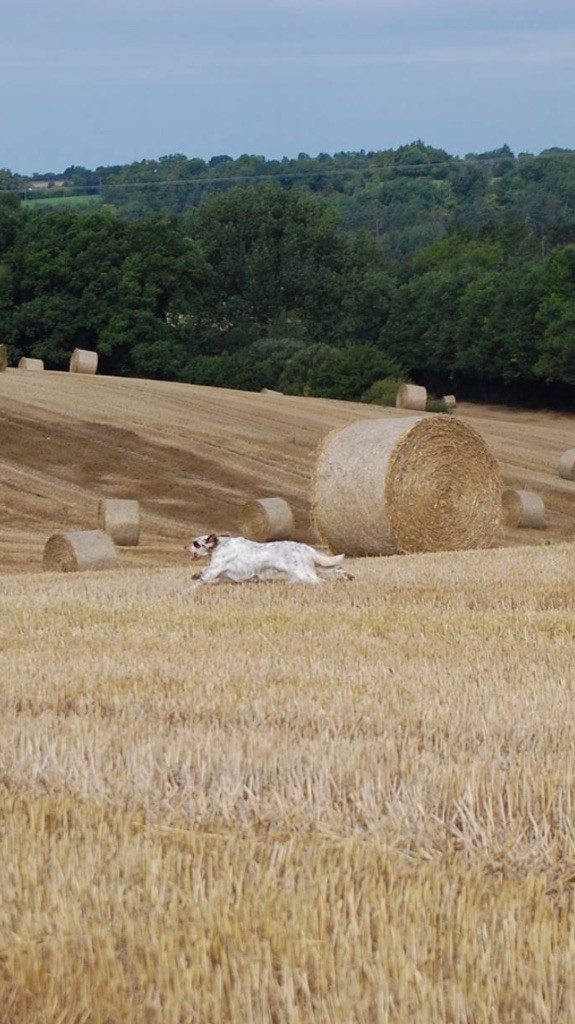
(79, 551)
(523, 509)
(3, 358)
(120, 518)
(83, 361)
(406, 485)
(267, 519)
(27, 363)
(411, 396)
(567, 465)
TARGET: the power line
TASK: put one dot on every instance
(278, 174)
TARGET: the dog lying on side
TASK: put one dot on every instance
(241, 560)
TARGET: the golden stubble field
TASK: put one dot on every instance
(272, 803)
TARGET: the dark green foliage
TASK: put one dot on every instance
(434, 404)
(336, 276)
(383, 392)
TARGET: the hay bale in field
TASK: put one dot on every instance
(567, 465)
(83, 361)
(79, 551)
(269, 391)
(450, 401)
(267, 519)
(27, 363)
(120, 517)
(3, 357)
(523, 509)
(426, 483)
(411, 396)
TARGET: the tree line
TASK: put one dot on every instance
(465, 283)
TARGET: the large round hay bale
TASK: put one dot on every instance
(567, 465)
(426, 483)
(27, 363)
(3, 357)
(83, 361)
(449, 401)
(79, 551)
(411, 396)
(523, 509)
(267, 519)
(120, 517)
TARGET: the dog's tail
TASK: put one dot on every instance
(327, 561)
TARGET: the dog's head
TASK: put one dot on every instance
(202, 547)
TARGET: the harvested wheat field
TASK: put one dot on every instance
(193, 457)
(275, 803)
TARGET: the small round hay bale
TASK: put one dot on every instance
(120, 517)
(27, 363)
(3, 358)
(450, 401)
(418, 484)
(567, 465)
(270, 391)
(267, 519)
(523, 509)
(411, 396)
(79, 551)
(83, 361)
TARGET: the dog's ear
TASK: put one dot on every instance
(211, 541)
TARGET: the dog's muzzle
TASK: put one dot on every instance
(194, 554)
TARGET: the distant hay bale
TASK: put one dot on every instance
(567, 465)
(523, 509)
(79, 551)
(269, 391)
(3, 357)
(450, 401)
(83, 361)
(267, 519)
(411, 396)
(405, 485)
(120, 517)
(27, 363)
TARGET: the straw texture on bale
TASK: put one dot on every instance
(83, 361)
(79, 551)
(120, 517)
(523, 509)
(411, 396)
(3, 357)
(567, 465)
(450, 401)
(267, 519)
(27, 363)
(406, 485)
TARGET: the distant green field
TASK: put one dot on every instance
(53, 202)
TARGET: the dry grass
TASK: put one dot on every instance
(279, 803)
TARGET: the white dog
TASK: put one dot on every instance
(240, 560)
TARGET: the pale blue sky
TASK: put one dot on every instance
(99, 82)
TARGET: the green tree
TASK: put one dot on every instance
(556, 319)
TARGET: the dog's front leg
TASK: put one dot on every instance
(207, 575)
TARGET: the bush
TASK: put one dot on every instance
(383, 392)
(434, 404)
